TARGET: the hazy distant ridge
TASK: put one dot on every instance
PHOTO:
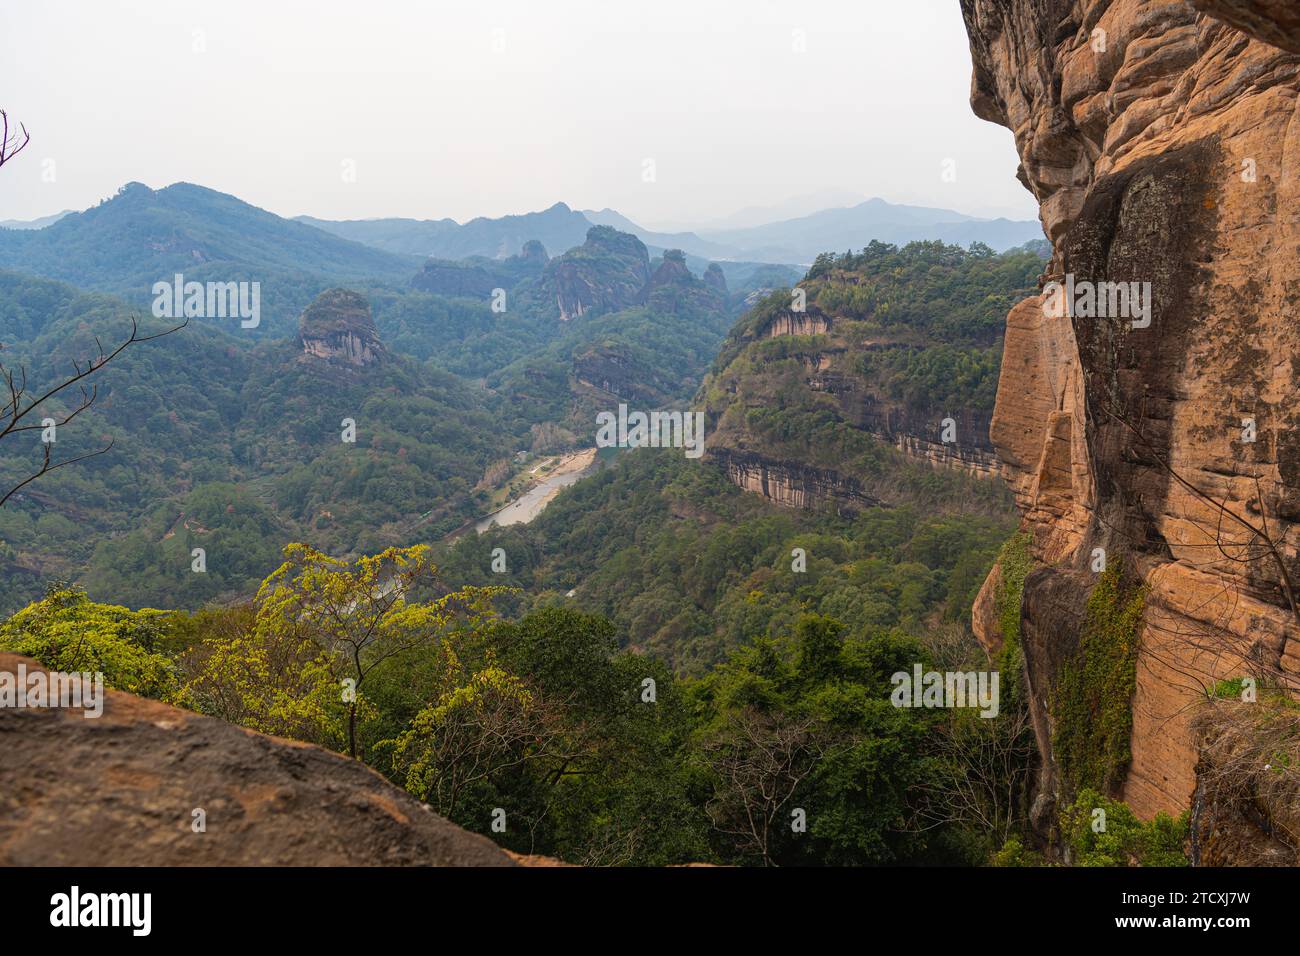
(797, 240)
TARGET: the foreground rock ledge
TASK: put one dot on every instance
(120, 790)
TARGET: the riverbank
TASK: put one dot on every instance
(549, 477)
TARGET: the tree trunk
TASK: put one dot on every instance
(352, 731)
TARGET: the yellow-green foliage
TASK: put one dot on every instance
(270, 680)
(1014, 853)
(66, 631)
(1092, 706)
(479, 724)
(1105, 832)
(321, 626)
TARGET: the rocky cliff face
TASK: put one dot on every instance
(609, 368)
(714, 279)
(122, 789)
(674, 288)
(805, 322)
(1163, 146)
(814, 386)
(533, 254)
(610, 372)
(605, 273)
(337, 327)
(792, 484)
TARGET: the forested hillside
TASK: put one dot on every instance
(235, 450)
(884, 349)
(231, 439)
(141, 236)
(621, 662)
(689, 566)
(595, 755)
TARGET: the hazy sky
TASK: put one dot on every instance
(486, 108)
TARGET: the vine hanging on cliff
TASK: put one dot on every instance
(1092, 707)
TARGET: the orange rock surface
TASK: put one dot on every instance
(1163, 146)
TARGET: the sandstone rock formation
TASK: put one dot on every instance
(1163, 146)
(442, 277)
(1273, 21)
(791, 484)
(674, 288)
(121, 790)
(611, 374)
(533, 253)
(605, 273)
(714, 278)
(611, 368)
(337, 326)
(810, 321)
(795, 361)
(671, 269)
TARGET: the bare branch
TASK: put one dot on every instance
(17, 406)
(8, 149)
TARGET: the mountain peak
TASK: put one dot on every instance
(128, 192)
(607, 237)
(714, 278)
(534, 251)
(672, 268)
(337, 326)
(605, 273)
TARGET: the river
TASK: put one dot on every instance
(530, 504)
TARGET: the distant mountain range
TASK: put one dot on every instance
(838, 230)
(780, 233)
(140, 236)
(40, 223)
(557, 228)
(795, 240)
(792, 208)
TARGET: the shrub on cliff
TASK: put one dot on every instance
(1249, 767)
(1104, 832)
(1015, 562)
(1092, 704)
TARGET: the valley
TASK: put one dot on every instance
(457, 413)
(809, 532)
(544, 481)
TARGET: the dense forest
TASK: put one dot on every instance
(229, 438)
(689, 566)
(787, 751)
(660, 668)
